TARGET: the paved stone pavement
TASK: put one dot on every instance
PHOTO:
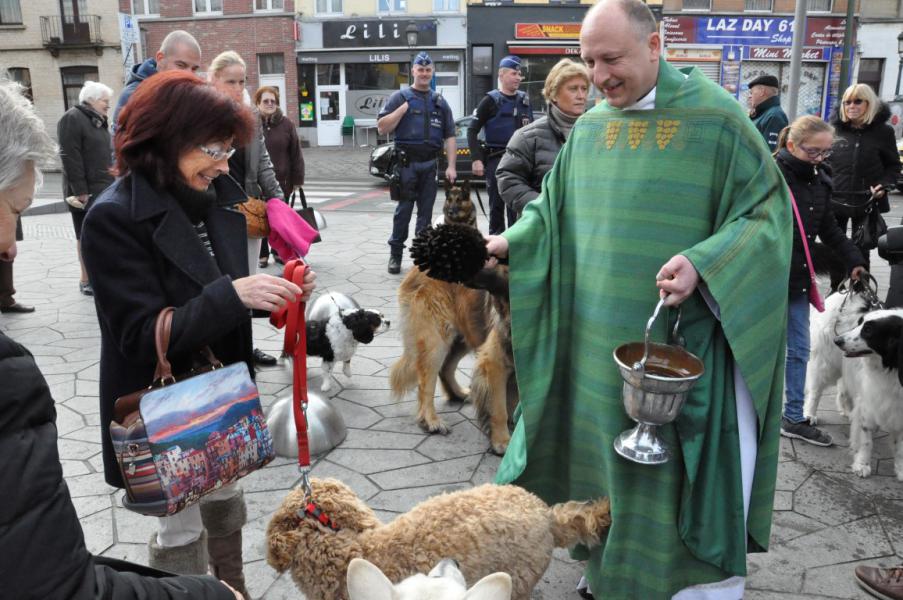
(826, 520)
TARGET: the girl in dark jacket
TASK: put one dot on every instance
(801, 149)
(865, 161)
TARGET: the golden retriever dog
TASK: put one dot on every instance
(486, 529)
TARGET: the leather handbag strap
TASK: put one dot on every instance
(162, 334)
(291, 316)
(303, 197)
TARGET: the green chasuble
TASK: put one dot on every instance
(631, 189)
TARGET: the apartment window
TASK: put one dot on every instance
(10, 12)
(208, 6)
(329, 7)
(870, 71)
(73, 80)
(446, 5)
(391, 6)
(697, 5)
(146, 8)
(759, 5)
(269, 5)
(820, 5)
(271, 64)
(22, 76)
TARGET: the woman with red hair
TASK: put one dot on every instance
(163, 235)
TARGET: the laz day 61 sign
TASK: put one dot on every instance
(751, 31)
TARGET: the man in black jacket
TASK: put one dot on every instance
(42, 547)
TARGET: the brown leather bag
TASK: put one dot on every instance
(255, 212)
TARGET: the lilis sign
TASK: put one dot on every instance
(376, 33)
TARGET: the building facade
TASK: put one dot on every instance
(735, 41)
(352, 54)
(879, 58)
(261, 31)
(53, 46)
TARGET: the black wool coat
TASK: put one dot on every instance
(85, 151)
(42, 548)
(143, 254)
(865, 157)
(811, 189)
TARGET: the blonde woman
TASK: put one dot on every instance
(865, 160)
(532, 149)
(250, 166)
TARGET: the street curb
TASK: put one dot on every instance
(46, 209)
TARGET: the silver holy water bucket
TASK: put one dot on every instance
(657, 378)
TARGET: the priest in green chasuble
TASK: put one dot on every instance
(665, 188)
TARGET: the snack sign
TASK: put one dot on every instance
(547, 31)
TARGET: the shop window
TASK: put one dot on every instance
(10, 12)
(446, 5)
(329, 7)
(482, 60)
(208, 7)
(391, 6)
(146, 8)
(697, 5)
(73, 80)
(306, 88)
(271, 64)
(22, 76)
(870, 70)
(759, 5)
(382, 76)
(329, 74)
(269, 5)
(820, 5)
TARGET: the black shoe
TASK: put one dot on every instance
(806, 432)
(264, 359)
(85, 288)
(394, 265)
(15, 307)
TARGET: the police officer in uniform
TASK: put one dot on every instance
(422, 121)
(501, 113)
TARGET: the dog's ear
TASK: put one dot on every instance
(358, 323)
(492, 587)
(466, 187)
(366, 582)
(283, 541)
(447, 185)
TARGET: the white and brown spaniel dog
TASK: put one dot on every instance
(336, 339)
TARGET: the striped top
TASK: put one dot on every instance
(201, 229)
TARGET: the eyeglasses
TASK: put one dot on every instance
(268, 101)
(856, 101)
(814, 153)
(217, 155)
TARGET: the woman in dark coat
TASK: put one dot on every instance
(865, 160)
(42, 548)
(802, 147)
(283, 145)
(86, 155)
(532, 150)
(162, 236)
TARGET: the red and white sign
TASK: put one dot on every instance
(555, 50)
(547, 31)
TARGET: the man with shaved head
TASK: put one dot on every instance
(664, 190)
(178, 52)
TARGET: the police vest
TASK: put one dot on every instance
(511, 114)
(424, 123)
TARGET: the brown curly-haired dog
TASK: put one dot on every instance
(486, 529)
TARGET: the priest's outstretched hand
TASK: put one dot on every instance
(676, 280)
(496, 247)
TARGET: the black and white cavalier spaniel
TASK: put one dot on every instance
(336, 339)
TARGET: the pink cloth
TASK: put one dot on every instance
(290, 235)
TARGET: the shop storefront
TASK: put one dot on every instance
(733, 50)
(347, 69)
(540, 35)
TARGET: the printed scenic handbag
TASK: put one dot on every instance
(184, 437)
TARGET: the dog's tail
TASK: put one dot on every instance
(580, 522)
(403, 375)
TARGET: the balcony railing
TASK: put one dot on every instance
(58, 32)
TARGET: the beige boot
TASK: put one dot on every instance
(223, 520)
(190, 559)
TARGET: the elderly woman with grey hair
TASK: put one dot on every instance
(86, 153)
(532, 150)
(44, 548)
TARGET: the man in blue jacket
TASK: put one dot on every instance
(422, 121)
(767, 114)
(179, 51)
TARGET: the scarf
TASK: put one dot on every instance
(97, 119)
(564, 121)
(194, 203)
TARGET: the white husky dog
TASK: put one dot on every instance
(445, 582)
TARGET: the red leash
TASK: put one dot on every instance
(291, 317)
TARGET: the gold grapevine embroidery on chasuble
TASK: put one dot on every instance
(665, 130)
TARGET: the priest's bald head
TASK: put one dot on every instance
(620, 43)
